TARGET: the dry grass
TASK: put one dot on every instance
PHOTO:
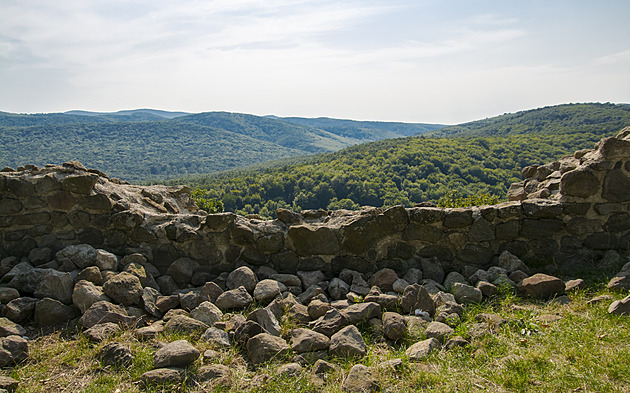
(585, 350)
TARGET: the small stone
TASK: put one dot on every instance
(13, 349)
(338, 289)
(216, 337)
(101, 312)
(162, 376)
(124, 288)
(116, 354)
(416, 297)
(235, 298)
(243, 276)
(10, 328)
(399, 285)
(207, 313)
(317, 308)
(542, 286)
(102, 331)
(487, 289)
(394, 326)
(466, 294)
(264, 347)
(245, 331)
(455, 342)
(290, 370)
(179, 353)
(310, 278)
(621, 281)
(439, 331)
(384, 279)
(347, 342)
(360, 379)
(266, 290)
(422, 349)
(8, 384)
(150, 332)
(213, 371)
(305, 340)
(573, 285)
(620, 307)
(330, 322)
(510, 262)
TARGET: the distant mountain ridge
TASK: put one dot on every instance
(143, 144)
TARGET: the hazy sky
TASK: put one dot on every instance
(404, 60)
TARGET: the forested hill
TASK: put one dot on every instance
(144, 144)
(551, 120)
(364, 130)
(417, 169)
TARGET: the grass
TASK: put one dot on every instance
(585, 350)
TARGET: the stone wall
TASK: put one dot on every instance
(567, 214)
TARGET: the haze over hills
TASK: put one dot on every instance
(143, 144)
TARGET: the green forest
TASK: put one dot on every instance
(140, 145)
(406, 171)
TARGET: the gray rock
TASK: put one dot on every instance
(264, 347)
(124, 288)
(399, 285)
(432, 269)
(360, 379)
(150, 332)
(167, 285)
(289, 280)
(243, 276)
(185, 324)
(51, 312)
(479, 275)
(289, 370)
(8, 384)
(338, 289)
(347, 342)
(116, 354)
(7, 294)
(245, 331)
(81, 255)
(189, 298)
(299, 314)
(576, 284)
(384, 279)
(413, 276)
(20, 309)
(621, 281)
(85, 294)
(318, 308)
(310, 292)
(179, 353)
(213, 371)
(466, 294)
(455, 342)
(27, 279)
(452, 278)
(13, 349)
(267, 320)
(162, 376)
(422, 349)
(10, 328)
(415, 297)
(235, 298)
(103, 311)
(306, 340)
(439, 331)
(620, 307)
(330, 323)
(106, 260)
(216, 337)
(91, 274)
(267, 290)
(510, 262)
(182, 270)
(487, 289)
(210, 291)
(394, 326)
(149, 299)
(207, 313)
(361, 312)
(542, 286)
(518, 275)
(310, 278)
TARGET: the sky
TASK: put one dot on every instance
(424, 61)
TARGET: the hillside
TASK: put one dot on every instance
(418, 169)
(364, 130)
(136, 151)
(551, 120)
(147, 144)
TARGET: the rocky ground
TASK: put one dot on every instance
(118, 321)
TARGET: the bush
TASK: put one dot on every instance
(211, 205)
(453, 199)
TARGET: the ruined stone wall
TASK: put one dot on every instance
(567, 213)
